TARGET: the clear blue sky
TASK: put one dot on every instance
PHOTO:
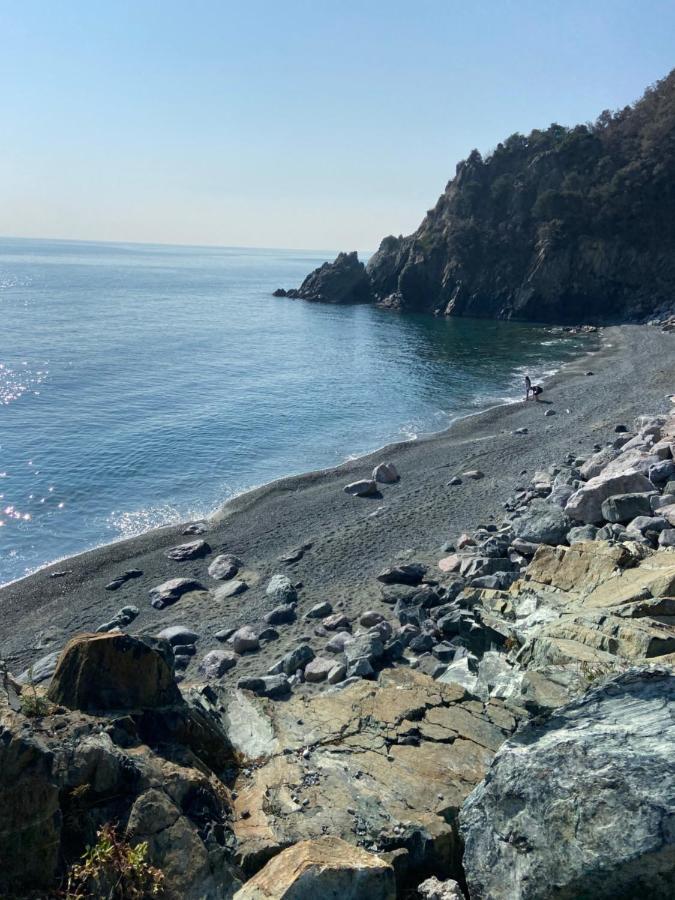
(286, 123)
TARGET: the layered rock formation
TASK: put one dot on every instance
(561, 225)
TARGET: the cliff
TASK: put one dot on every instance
(562, 225)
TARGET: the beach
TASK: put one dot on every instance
(351, 538)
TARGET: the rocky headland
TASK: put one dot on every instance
(444, 671)
(566, 225)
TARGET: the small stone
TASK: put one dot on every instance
(292, 661)
(172, 590)
(337, 673)
(336, 622)
(386, 473)
(231, 589)
(280, 589)
(620, 429)
(318, 669)
(370, 617)
(178, 634)
(337, 643)
(474, 474)
(245, 640)
(295, 555)
(216, 663)
(454, 481)
(195, 528)
(549, 412)
(364, 488)
(521, 431)
(224, 567)
(281, 615)
(319, 610)
(407, 573)
(192, 550)
(184, 650)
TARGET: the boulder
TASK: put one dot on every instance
(366, 487)
(585, 505)
(41, 670)
(667, 538)
(581, 533)
(624, 507)
(216, 663)
(281, 590)
(326, 867)
(114, 671)
(281, 615)
(336, 622)
(292, 661)
(386, 473)
(370, 617)
(542, 523)
(192, 550)
(406, 573)
(178, 634)
(245, 640)
(318, 669)
(224, 567)
(272, 686)
(550, 819)
(232, 589)
(169, 591)
(320, 610)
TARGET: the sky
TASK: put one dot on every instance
(281, 123)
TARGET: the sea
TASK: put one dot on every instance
(142, 385)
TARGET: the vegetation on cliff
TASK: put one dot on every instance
(565, 224)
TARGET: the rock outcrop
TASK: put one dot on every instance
(581, 805)
(385, 765)
(342, 281)
(563, 224)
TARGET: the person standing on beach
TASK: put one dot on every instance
(534, 389)
(528, 387)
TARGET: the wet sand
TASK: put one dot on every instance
(352, 538)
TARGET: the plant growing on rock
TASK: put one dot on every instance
(114, 870)
(34, 704)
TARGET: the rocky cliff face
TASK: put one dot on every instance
(562, 225)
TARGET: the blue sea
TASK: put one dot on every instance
(145, 384)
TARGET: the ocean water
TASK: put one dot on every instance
(142, 384)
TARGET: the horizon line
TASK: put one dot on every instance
(62, 240)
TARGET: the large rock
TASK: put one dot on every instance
(365, 487)
(169, 591)
(327, 868)
(342, 281)
(624, 507)
(191, 550)
(585, 505)
(280, 589)
(114, 671)
(542, 523)
(383, 764)
(583, 804)
(224, 566)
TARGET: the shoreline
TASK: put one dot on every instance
(351, 538)
(219, 512)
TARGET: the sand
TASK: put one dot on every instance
(352, 538)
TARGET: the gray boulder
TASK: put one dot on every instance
(272, 686)
(177, 635)
(281, 590)
(624, 507)
(407, 573)
(192, 550)
(386, 473)
(169, 591)
(216, 663)
(581, 533)
(292, 661)
(224, 566)
(662, 472)
(585, 505)
(366, 487)
(542, 523)
(581, 805)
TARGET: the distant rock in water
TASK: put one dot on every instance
(342, 281)
(561, 225)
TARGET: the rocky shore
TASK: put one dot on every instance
(453, 680)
